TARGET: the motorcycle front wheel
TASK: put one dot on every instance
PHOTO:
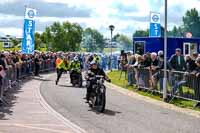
(101, 102)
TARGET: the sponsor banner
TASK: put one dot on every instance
(155, 27)
(28, 44)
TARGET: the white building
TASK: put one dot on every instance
(7, 41)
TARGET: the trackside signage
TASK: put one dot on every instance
(155, 28)
(28, 44)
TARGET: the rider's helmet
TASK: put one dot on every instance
(93, 63)
(75, 58)
(198, 60)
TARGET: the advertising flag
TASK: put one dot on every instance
(155, 27)
(28, 44)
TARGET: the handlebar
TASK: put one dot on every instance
(99, 76)
(96, 77)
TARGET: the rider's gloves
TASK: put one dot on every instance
(109, 80)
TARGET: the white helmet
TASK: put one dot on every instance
(93, 63)
(75, 58)
(160, 53)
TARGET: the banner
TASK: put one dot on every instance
(155, 28)
(28, 44)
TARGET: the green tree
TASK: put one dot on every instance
(125, 42)
(115, 37)
(38, 40)
(145, 33)
(176, 32)
(93, 40)
(191, 22)
(65, 37)
(46, 38)
(141, 33)
(15, 41)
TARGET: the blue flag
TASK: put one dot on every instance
(28, 44)
(155, 27)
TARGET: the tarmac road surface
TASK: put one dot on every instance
(123, 114)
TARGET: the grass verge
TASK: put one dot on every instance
(122, 82)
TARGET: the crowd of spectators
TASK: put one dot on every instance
(147, 70)
(17, 60)
(130, 62)
(143, 70)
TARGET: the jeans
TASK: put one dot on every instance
(130, 77)
(177, 83)
(37, 70)
(161, 84)
(178, 87)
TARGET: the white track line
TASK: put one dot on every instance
(65, 121)
(38, 128)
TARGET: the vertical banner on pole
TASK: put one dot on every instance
(28, 44)
(155, 29)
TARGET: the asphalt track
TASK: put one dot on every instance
(123, 114)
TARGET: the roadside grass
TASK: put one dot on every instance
(115, 77)
(8, 49)
(107, 50)
(1, 46)
(17, 48)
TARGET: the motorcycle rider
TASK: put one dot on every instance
(97, 59)
(94, 70)
(62, 64)
(75, 66)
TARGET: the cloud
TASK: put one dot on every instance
(176, 10)
(17, 7)
(11, 31)
(123, 8)
(126, 15)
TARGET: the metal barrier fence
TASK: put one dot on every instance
(180, 84)
(16, 72)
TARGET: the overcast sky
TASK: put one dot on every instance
(126, 15)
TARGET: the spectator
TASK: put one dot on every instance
(129, 56)
(123, 61)
(2, 62)
(139, 76)
(177, 79)
(190, 64)
(194, 56)
(115, 61)
(104, 62)
(152, 68)
(130, 69)
(37, 65)
(160, 53)
(146, 61)
(158, 75)
(154, 60)
(196, 73)
(177, 62)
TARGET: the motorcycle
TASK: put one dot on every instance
(76, 78)
(97, 98)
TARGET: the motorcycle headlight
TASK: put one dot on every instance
(98, 81)
(94, 86)
(101, 81)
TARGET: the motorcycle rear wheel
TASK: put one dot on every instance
(80, 82)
